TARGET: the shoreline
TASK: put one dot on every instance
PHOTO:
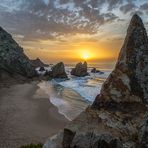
(26, 118)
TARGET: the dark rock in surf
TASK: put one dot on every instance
(58, 71)
(80, 70)
(94, 70)
(42, 69)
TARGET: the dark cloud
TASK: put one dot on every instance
(137, 12)
(128, 7)
(144, 6)
(113, 3)
(49, 19)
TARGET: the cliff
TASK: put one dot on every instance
(117, 117)
(13, 61)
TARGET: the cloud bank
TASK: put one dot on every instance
(49, 19)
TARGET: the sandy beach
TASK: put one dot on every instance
(26, 117)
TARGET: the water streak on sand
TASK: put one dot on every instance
(72, 96)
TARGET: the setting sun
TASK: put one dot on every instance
(85, 56)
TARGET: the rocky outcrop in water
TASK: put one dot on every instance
(42, 69)
(58, 71)
(80, 70)
(38, 63)
(94, 70)
(116, 118)
(12, 58)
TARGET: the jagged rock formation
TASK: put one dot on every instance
(38, 63)
(58, 71)
(80, 70)
(12, 58)
(114, 120)
(129, 81)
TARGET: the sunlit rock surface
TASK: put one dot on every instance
(114, 120)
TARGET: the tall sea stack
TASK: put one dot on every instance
(117, 117)
(12, 58)
(129, 80)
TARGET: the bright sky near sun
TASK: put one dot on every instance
(70, 30)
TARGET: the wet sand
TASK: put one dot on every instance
(26, 117)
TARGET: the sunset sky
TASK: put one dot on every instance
(70, 30)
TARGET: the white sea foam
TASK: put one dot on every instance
(88, 87)
(72, 96)
(69, 103)
(82, 87)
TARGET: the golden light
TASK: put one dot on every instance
(85, 56)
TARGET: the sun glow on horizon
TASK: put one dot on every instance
(86, 56)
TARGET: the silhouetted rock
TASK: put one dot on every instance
(58, 71)
(113, 119)
(80, 70)
(94, 70)
(38, 63)
(41, 69)
(12, 58)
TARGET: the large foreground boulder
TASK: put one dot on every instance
(115, 120)
(12, 58)
(58, 71)
(80, 70)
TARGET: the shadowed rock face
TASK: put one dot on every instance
(38, 63)
(58, 71)
(129, 80)
(143, 132)
(114, 120)
(12, 58)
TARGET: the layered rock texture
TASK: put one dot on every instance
(58, 71)
(38, 63)
(117, 117)
(129, 81)
(80, 70)
(12, 58)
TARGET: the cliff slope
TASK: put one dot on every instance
(12, 58)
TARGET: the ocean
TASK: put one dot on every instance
(72, 96)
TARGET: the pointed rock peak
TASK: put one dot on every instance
(85, 63)
(136, 22)
(129, 80)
